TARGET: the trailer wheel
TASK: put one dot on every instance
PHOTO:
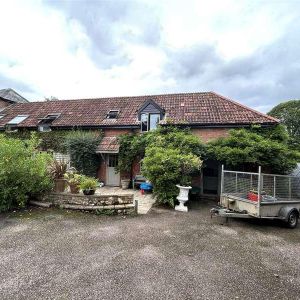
(292, 219)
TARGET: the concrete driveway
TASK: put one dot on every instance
(54, 254)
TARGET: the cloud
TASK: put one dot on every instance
(246, 50)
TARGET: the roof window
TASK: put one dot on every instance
(17, 120)
(49, 119)
(112, 114)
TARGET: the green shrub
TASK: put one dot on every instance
(49, 141)
(88, 183)
(245, 149)
(82, 147)
(166, 167)
(23, 172)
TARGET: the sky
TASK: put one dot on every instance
(247, 50)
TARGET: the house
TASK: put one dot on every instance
(9, 96)
(208, 114)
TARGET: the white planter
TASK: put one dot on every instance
(182, 197)
(125, 184)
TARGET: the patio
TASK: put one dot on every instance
(145, 201)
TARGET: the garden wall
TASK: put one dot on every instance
(115, 203)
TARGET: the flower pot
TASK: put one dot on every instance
(182, 197)
(125, 184)
(60, 185)
(89, 192)
(74, 188)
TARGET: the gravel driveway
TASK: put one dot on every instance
(54, 254)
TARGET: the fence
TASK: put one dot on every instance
(265, 187)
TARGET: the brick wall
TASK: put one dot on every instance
(115, 132)
(207, 134)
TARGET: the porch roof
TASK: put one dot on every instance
(108, 144)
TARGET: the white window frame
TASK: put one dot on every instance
(12, 122)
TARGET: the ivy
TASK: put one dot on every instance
(49, 141)
(82, 146)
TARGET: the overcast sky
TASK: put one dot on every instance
(246, 50)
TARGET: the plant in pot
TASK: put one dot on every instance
(74, 179)
(88, 185)
(187, 168)
(57, 169)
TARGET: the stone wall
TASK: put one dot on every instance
(119, 203)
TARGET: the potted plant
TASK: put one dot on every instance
(57, 170)
(125, 183)
(88, 185)
(73, 179)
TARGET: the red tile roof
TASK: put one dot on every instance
(189, 108)
(108, 145)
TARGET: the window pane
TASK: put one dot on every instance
(18, 119)
(144, 122)
(154, 119)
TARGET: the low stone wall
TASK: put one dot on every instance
(123, 203)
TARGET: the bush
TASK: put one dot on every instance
(82, 147)
(166, 167)
(247, 149)
(23, 172)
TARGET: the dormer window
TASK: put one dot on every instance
(44, 124)
(112, 114)
(150, 114)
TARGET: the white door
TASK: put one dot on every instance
(113, 177)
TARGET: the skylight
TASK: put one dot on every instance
(49, 118)
(112, 114)
(18, 119)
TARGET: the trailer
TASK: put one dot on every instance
(259, 195)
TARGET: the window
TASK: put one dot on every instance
(44, 124)
(17, 120)
(149, 121)
(44, 128)
(112, 114)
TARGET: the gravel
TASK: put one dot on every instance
(56, 254)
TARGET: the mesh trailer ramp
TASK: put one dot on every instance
(259, 195)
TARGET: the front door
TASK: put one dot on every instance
(113, 177)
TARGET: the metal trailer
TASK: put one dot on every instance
(259, 195)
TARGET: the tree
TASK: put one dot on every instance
(51, 98)
(247, 149)
(289, 114)
(170, 156)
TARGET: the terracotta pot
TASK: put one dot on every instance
(89, 192)
(125, 184)
(74, 188)
(60, 185)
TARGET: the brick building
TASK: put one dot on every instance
(208, 114)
